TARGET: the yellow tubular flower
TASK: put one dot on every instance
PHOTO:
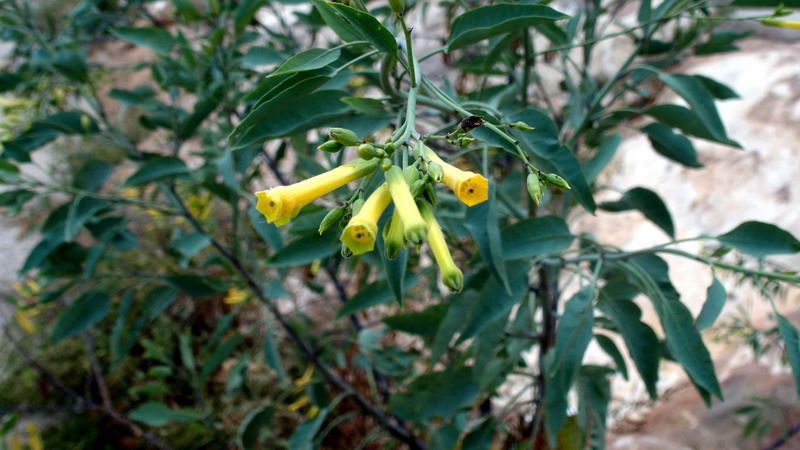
(360, 233)
(281, 204)
(450, 273)
(783, 23)
(414, 228)
(470, 187)
(393, 240)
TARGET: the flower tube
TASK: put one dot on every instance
(470, 187)
(360, 233)
(451, 275)
(281, 204)
(414, 228)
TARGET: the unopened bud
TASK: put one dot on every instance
(330, 146)
(393, 240)
(398, 6)
(366, 151)
(464, 141)
(386, 164)
(435, 171)
(331, 218)
(411, 174)
(535, 189)
(453, 279)
(522, 126)
(344, 136)
(388, 148)
(557, 180)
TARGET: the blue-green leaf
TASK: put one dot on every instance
(712, 308)
(648, 203)
(482, 223)
(611, 349)
(313, 58)
(535, 236)
(306, 249)
(792, 346)
(367, 27)
(373, 294)
(672, 145)
(435, 394)
(158, 169)
(84, 312)
(487, 21)
(157, 39)
(157, 414)
(760, 239)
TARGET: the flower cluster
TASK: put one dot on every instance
(409, 189)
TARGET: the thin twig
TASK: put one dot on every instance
(784, 438)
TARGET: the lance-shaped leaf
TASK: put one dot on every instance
(715, 301)
(367, 27)
(648, 203)
(760, 239)
(535, 236)
(487, 21)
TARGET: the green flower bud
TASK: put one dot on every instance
(398, 6)
(344, 136)
(330, 146)
(453, 279)
(435, 171)
(557, 180)
(366, 151)
(522, 126)
(412, 174)
(331, 218)
(535, 189)
(464, 141)
(386, 164)
(388, 148)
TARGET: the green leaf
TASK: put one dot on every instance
(306, 249)
(494, 301)
(195, 285)
(699, 99)
(202, 109)
(435, 394)
(535, 236)
(651, 274)
(487, 21)
(608, 346)
(244, 13)
(157, 300)
(640, 339)
(338, 24)
(717, 89)
(481, 437)
(188, 10)
(723, 41)
(595, 390)
(562, 362)
(672, 145)
(792, 346)
(460, 305)
(373, 294)
(273, 103)
(85, 311)
(648, 203)
(543, 144)
(712, 308)
(367, 27)
(258, 55)
(273, 356)
(423, 323)
(605, 152)
(158, 169)
(268, 231)
(305, 113)
(252, 425)
(303, 436)
(190, 244)
(760, 239)
(92, 175)
(482, 222)
(684, 119)
(311, 59)
(157, 39)
(157, 414)
(216, 359)
(45, 130)
(71, 64)
(9, 81)
(80, 211)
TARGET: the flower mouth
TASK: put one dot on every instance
(473, 190)
(269, 204)
(359, 237)
(360, 234)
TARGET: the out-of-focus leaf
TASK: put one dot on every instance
(258, 55)
(92, 175)
(157, 414)
(303, 436)
(611, 350)
(195, 285)
(535, 236)
(71, 64)
(672, 145)
(157, 39)
(252, 425)
(562, 362)
(494, 301)
(481, 437)
(216, 359)
(424, 323)
(306, 249)
(717, 89)
(792, 346)
(760, 239)
(712, 308)
(8, 81)
(372, 294)
(648, 203)
(244, 13)
(487, 21)
(84, 312)
(158, 169)
(435, 394)
(605, 152)
(313, 58)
